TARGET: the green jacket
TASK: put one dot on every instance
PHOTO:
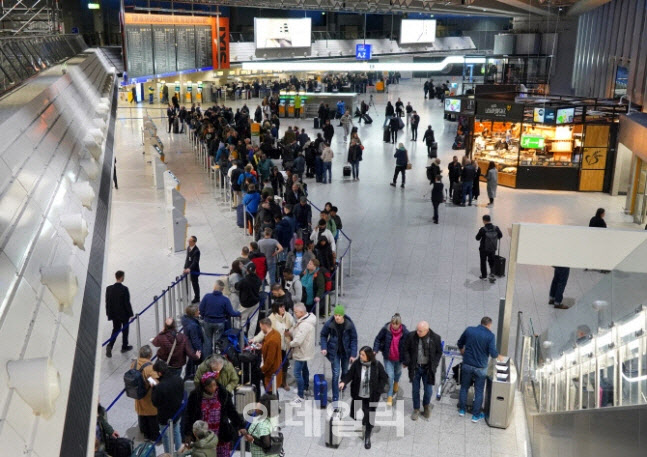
(206, 447)
(227, 378)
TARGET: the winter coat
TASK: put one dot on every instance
(354, 153)
(378, 380)
(272, 358)
(206, 447)
(329, 340)
(433, 348)
(289, 263)
(492, 177)
(249, 290)
(193, 331)
(227, 377)
(401, 157)
(164, 341)
(118, 305)
(230, 421)
(383, 339)
(167, 397)
(437, 194)
(303, 338)
(429, 137)
(302, 214)
(144, 406)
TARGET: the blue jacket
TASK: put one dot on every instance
(244, 176)
(251, 202)
(478, 343)
(215, 308)
(193, 331)
(400, 157)
(283, 233)
(329, 340)
(383, 339)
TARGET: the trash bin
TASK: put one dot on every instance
(500, 390)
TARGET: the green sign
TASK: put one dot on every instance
(532, 142)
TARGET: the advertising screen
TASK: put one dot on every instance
(453, 105)
(282, 33)
(417, 31)
(532, 142)
(565, 115)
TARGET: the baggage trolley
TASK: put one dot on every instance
(453, 354)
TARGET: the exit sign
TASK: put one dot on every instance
(532, 142)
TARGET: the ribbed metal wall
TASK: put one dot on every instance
(614, 34)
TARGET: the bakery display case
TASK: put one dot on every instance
(497, 142)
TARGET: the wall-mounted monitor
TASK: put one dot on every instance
(414, 31)
(453, 105)
(532, 142)
(282, 33)
(565, 116)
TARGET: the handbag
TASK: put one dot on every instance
(408, 165)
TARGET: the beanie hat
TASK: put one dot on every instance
(339, 310)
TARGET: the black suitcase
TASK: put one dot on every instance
(433, 151)
(346, 171)
(240, 221)
(316, 123)
(457, 193)
(176, 126)
(367, 119)
(499, 266)
(387, 135)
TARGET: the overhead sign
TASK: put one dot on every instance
(282, 33)
(532, 142)
(417, 31)
(499, 110)
(363, 51)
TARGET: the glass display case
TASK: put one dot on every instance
(497, 142)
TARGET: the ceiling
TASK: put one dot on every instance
(505, 8)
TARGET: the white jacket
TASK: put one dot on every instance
(280, 324)
(327, 155)
(303, 338)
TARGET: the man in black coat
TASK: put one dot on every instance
(192, 267)
(455, 171)
(437, 195)
(167, 397)
(422, 352)
(119, 311)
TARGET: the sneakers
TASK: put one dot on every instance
(477, 418)
(389, 401)
(108, 351)
(426, 413)
(396, 387)
(492, 278)
(461, 412)
(415, 414)
(482, 278)
(298, 401)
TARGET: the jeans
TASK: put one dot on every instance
(319, 168)
(399, 169)
(116, 326)
(394, 370)
(212, 332)
(467, 188)
(177, 437)
(421, 375)
(386, 120)
(467, 374)
(414, 132)
(271, 270)
(302, 375)
(489, 256)
(327, 172)
(557, 286)
(354, 166)
(335, 364)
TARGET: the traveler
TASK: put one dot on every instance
(429, 140)
(328, 132)
(330, 222)
(339, 345)
(314, 285)
(105, 433)
(227, 375)
(206, 442)
(408, 111)
(213, 404)
(336, 219)
(415, 121)
(302, 343)
(322, 230)
(258, 259)
(146, 412)
(437, 196)
(271, 351)
(216, 311)
(346, 122)
(421, 353)
(401, 161)
(167, 397)
(174, 348)
(235, 275)
(476, 187)
(354, 158)
(271, 249)
(192, 267)
(399, 108)
(327, 155)
(292, 283)
(394, 126)
(557, 287)
(433, 170)
(297, 106)
(468, 175)
(492, 178)
(119, 311)
(251, 200)
(261, 429)
(368, 379)
(390, 340)
(297, 260)
(389, 112)
(249, 289)
(598, 219)
(324, 254)
(475, 344)
(455, 170)
(281, 297)
(193, 330)
(488, 237)
(243, 259)
(303, 216)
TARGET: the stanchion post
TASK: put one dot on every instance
(327, 305)
(350, 259)
(174, 297)
(164, 310)
(341, 276)
(274, 388)
(244, 220)
(138, 329)
(317, 309)
(169, 430)
(186, 289)
(517, 343)
(172, 310)
(337, 285)
(157, 315)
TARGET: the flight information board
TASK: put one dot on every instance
(164, 48)
(203, 47)
(185, 36)
(139, 50)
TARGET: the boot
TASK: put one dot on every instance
(389, 401)
(426, 412)
(367, 438)
(396, 387)
(415, 414)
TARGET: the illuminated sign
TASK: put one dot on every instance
(532, 142)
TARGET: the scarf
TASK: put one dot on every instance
(394, 349)
(365, 388)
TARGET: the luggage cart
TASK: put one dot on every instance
(454, 355)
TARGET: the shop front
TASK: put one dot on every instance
(630, 176)
(547, 144)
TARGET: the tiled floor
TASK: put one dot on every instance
(401, 261)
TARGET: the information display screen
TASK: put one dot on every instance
(203, 47)
(282, 33)
(185, 37)
(565, 116)
(164, 48)
(139, 50)
(453, 105)
(417, 31)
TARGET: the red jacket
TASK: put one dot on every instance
(164, 341)
(260, 262)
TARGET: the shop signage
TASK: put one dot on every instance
(532, 142)
(499, 110)
(544, 115)
(363, 51)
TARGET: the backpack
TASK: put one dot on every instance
(327, 279)
(491, 240)
(134, 383)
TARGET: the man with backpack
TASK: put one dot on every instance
(488, 236)
(139, 387)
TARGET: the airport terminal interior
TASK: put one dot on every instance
(398, 227)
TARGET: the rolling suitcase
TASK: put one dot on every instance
(400, 123)
(347, 171)
(321, 390)
(246, 392)
(176, 126)
(240, 221)
(316, 123)
(387, 135)
(335, 428)
(457, 193)
(367, 119)
(499, 266)
(244, 396)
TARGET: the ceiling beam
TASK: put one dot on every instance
(526, 7)
(584, 6)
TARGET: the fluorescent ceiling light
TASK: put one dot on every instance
(93, 6)
(362, 66)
